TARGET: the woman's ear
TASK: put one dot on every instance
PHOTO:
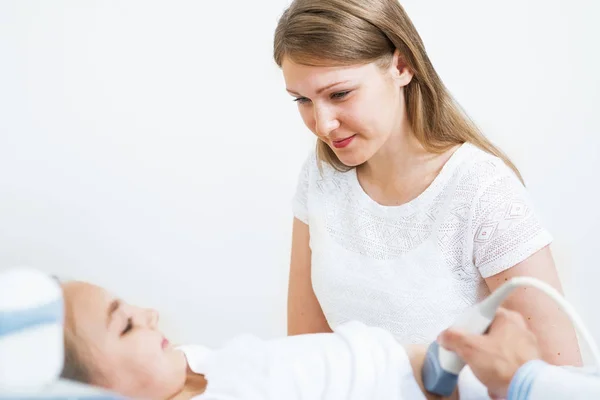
(400, 71)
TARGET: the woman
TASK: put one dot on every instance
(117, 346)
(406, 214)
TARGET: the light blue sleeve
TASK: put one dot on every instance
(538, 380)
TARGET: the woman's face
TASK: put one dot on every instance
(121, 343)
(353, 109)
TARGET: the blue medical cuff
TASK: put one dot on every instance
(522, 382)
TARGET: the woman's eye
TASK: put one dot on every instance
(301, 100)
(340, 95)
(128, 327)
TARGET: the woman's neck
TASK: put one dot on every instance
(401, 170)
(400, 158)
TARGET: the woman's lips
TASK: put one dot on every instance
(340, 144)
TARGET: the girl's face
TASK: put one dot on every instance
(125, 351)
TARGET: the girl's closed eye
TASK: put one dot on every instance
(128, 327)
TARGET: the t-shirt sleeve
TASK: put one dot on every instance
(300, 200)
(505, 227)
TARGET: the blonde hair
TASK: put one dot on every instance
(74, 367)
(349, 32)
(76, 362)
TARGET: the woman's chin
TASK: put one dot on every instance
(350, 159)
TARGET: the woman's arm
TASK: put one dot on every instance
(304, 311)
(552, 327)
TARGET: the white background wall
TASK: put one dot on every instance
(150, 146)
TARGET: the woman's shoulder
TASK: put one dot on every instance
(480, 168)
(310, 162)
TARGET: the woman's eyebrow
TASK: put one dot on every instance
(319, 91)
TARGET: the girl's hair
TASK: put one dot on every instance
(74, 363)
(74, 367)
(350, 32)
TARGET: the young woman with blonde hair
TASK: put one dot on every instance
(405, 214)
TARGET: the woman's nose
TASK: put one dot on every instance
(325, 121)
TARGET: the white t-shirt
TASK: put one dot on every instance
(413, 268)
(354, 363)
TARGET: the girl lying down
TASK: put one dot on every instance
(117, 346)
